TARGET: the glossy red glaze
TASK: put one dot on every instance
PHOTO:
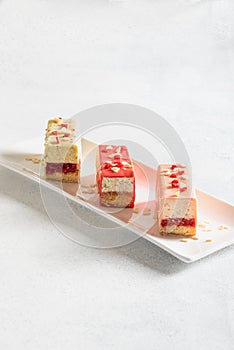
(116, 157)
(106, 156)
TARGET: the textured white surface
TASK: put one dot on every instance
(59, 57)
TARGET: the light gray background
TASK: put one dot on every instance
(59, 57)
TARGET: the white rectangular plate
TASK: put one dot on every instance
(212, 210)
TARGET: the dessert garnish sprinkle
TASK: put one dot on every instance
(147, 211)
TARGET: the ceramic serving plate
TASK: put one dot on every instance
(212, 212)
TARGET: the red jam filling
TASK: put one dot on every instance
(178, 222)
(52, 168)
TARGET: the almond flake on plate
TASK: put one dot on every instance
(147, 211)
(88, 185)
(90, 190)
(36, 160)
(223, 227)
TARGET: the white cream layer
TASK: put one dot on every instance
(177, 208)
(118, 184)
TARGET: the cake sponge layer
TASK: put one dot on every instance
(68, 177)
(64, 153)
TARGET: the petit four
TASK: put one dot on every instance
(61, 153)
(115, 176)
(176, 201)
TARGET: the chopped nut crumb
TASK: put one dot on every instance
(115, 155)
(202, 225)
(126, 164)
(184, 240)
(147, 211)
(208, 240)
(115, 169)
(176, 194)
(195, 238)
(136, 210)
(33, 159)
(90, 190)
(223, 227)
(183, 178)
(30, 171)
(207, 230)
(88, 185)
(36, 160)
(118, 150)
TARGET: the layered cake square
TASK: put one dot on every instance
(176, 200)
(115, 176)
(61, 153)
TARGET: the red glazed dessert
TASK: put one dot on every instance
(115, 177)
